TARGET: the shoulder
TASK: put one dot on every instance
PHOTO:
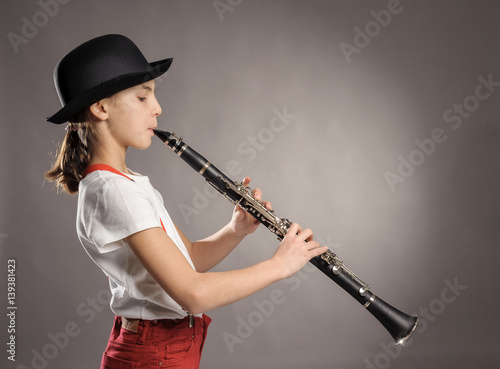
(100, 182)
(105, 190)
(112, 207)
(110, 198)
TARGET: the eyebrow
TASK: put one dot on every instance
(144, 87)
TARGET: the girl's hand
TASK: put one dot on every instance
(296, 249)
(243, 223)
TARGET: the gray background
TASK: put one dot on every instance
(349, 123)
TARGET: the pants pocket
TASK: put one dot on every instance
(110, 362)
(178, 349)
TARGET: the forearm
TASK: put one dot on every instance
(194, 291)
(210, 251)
(216, 289)
(199, 292)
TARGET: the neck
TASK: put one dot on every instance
(113, 157)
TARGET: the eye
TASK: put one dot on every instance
(142, 98)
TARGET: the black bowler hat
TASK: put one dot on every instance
(98, 69)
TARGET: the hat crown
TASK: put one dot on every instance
(100, 68)
(95, 62)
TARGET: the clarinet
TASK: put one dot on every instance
(399, 325)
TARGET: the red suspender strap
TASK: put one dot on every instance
(94, 167)
(163, 226)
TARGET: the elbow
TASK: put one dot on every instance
(199, 294)
(197, 301)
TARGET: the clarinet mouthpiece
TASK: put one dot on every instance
(162, 135)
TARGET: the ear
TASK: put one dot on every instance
(99, 110)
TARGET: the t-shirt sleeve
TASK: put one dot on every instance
(119, 209)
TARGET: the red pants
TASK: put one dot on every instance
(156, 344)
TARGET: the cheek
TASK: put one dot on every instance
(122, 110)
(121, 117)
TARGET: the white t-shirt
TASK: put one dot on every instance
(110, 208)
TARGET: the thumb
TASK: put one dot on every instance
(239, 213)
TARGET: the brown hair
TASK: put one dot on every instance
(74, 153)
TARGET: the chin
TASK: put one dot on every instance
(143, 145)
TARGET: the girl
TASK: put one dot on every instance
(159, 279)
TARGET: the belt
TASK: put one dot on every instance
(132, 324)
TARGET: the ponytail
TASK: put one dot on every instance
(75, 152)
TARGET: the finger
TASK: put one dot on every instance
(257, 193)
(310, 238)
(306, 234)
(312, 245)
(239, 213)
(246, 181)
(293, 230)
(268, 205)
(318, 251)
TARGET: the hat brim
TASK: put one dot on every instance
(109, 88)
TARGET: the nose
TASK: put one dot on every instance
(157, 108)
